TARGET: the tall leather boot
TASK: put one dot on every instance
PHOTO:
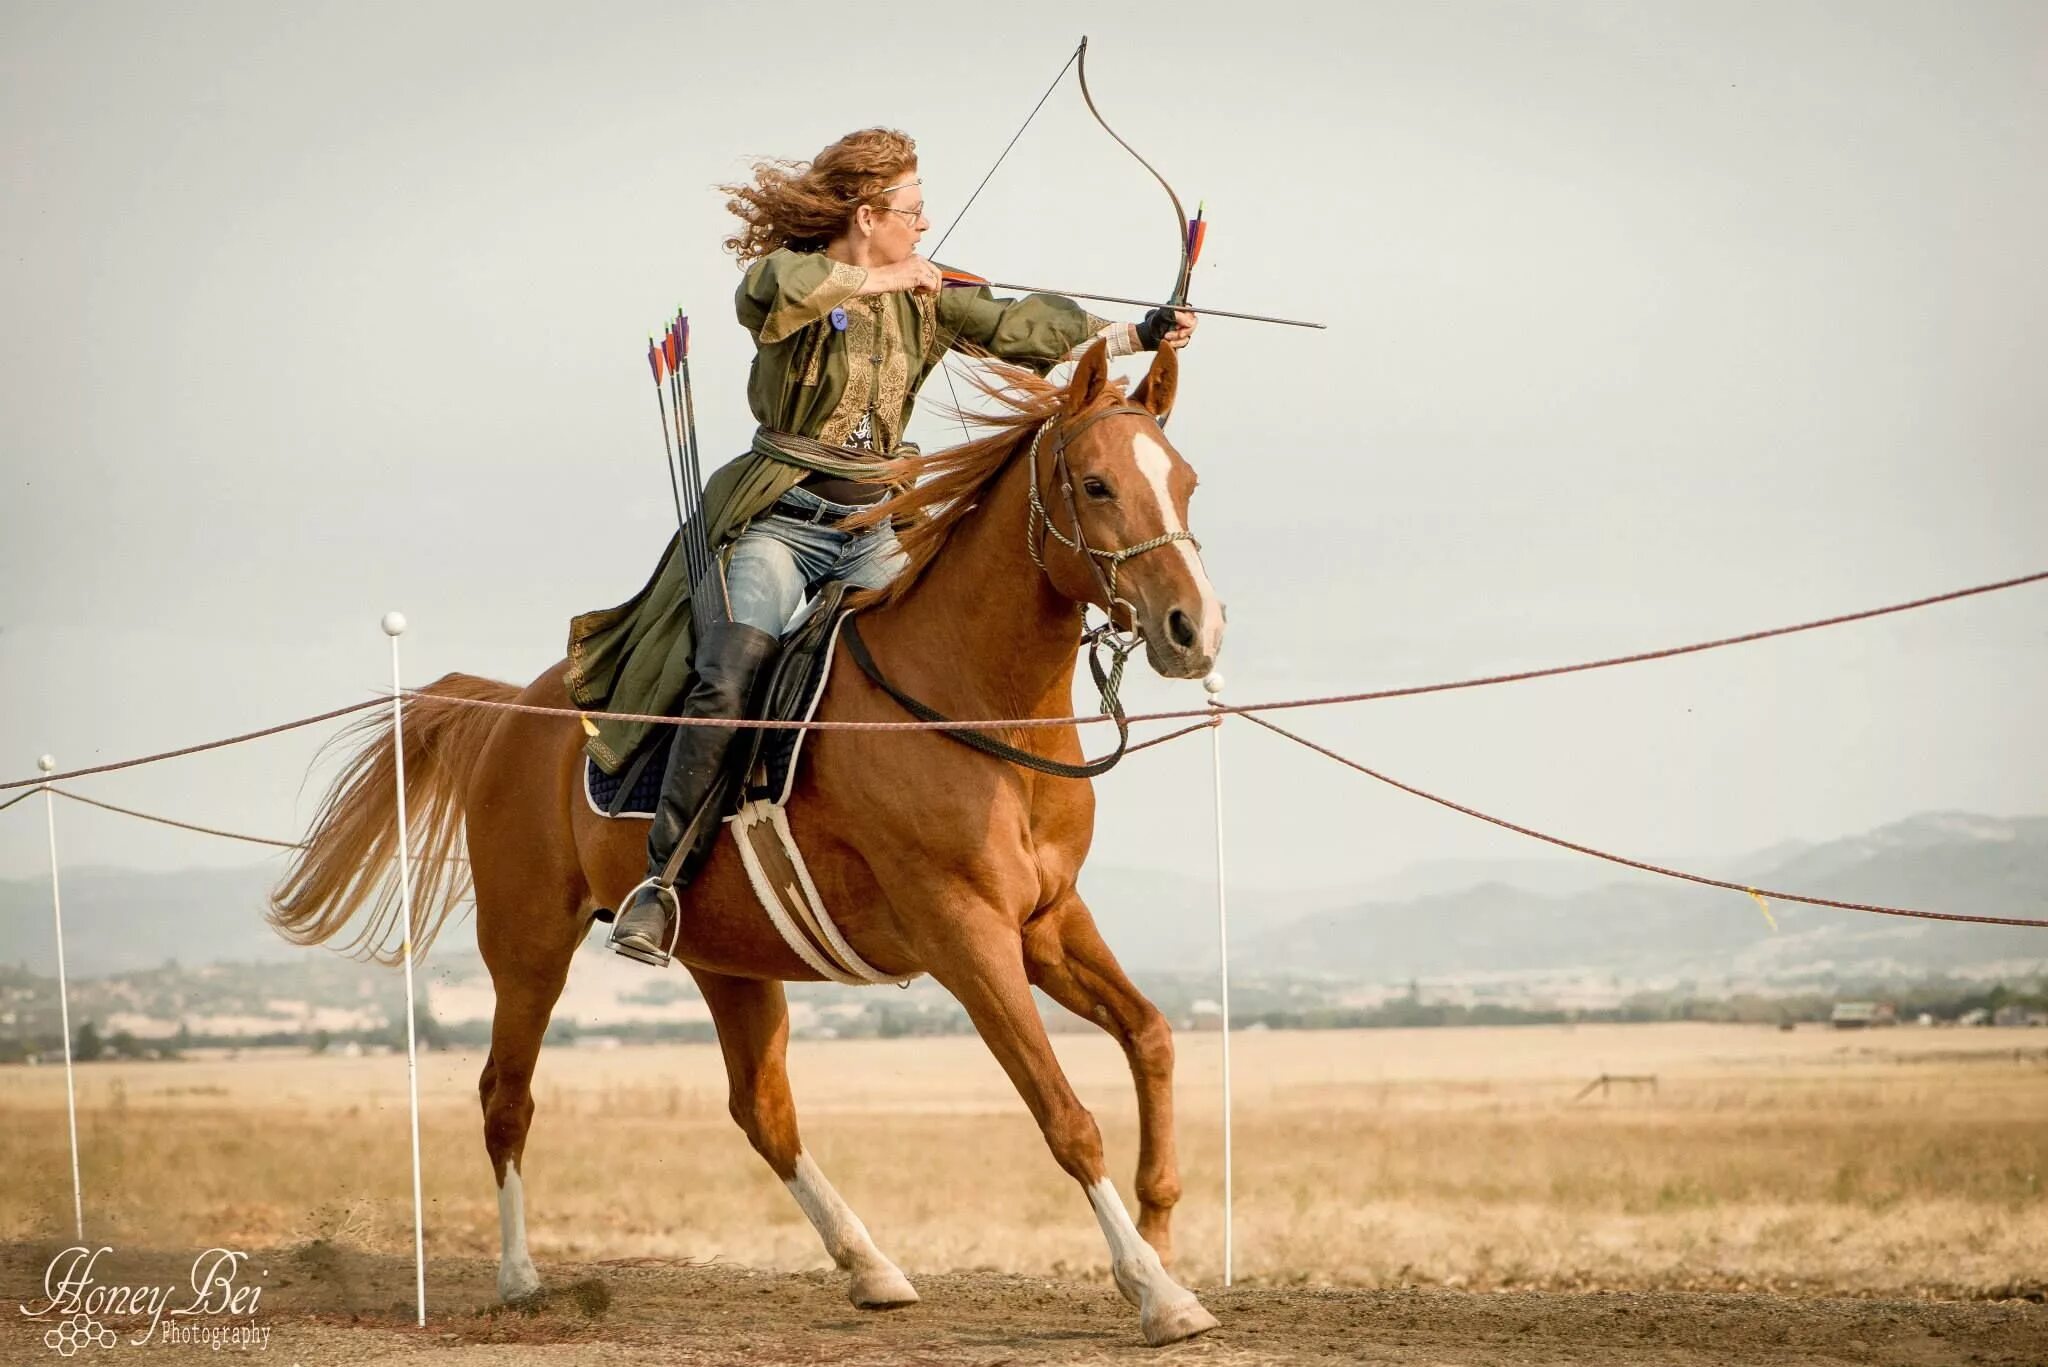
(730, 658)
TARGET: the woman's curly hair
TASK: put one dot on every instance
(803, 205)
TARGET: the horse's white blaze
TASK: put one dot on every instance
(1134, 1264)
(1155, 465)
(846, 1238)
(517, 1275)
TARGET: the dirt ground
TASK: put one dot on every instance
(323, 1304)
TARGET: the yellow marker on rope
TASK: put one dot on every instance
(1764, 907)
(589, 726)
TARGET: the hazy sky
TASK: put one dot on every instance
(1648, 322)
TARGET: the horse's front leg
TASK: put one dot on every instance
(979, 958)
(1068, 960)
(753, 1033)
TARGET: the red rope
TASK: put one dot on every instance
(1626, 862)
(201, 748)
(1216, 720)
(1026, 723)
(1375, 695)
(202, 830)
(181, 825)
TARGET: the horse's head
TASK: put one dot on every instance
(1104, 466)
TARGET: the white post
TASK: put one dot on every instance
(48, 764)
(394, 627)
(1214, 685)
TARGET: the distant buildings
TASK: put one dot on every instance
(1862, 1015)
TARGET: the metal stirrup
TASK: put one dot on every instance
(665, 892)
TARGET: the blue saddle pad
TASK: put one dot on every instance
(602, 789)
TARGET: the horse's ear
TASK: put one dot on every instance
(1091, 378)
(1155, 392)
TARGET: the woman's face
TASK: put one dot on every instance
(896, 219)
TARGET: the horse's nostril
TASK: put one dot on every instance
(1181, 627)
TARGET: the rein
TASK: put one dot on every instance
(1038, 524)
(1105, 685)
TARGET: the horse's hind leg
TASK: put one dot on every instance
(753, 1032)
(1068, 961)
(527, 944)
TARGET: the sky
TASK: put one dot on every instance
(1647, 323)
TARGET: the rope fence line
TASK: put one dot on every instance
(1327, 700)
(1760, 893)
(162, 820)
(1029, 723)
(181, 825)
(201, 748)
(1208, 725)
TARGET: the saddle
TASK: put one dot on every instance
(766, 762)
(766, 759)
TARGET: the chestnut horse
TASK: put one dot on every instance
(932, 857)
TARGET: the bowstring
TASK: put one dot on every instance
(958, 408)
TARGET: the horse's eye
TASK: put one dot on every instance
(1095, 488)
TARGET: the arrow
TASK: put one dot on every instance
(961, 280)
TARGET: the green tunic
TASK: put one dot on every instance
(817, 380)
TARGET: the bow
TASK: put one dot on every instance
(1189, 236)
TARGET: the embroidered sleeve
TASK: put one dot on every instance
(786, 291)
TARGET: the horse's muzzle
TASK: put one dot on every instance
(1176, 644)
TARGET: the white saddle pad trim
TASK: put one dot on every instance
(849, 967)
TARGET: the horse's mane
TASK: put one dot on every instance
(938, 490)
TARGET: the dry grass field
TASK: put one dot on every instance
(1899, 1162)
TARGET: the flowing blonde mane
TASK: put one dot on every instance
(940, 488)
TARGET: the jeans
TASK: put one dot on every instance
(778, 560)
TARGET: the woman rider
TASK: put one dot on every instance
(847, 321)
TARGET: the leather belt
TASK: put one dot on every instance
(805, 512)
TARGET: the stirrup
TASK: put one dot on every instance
(659, 958)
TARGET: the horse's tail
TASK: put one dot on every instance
(351, 858)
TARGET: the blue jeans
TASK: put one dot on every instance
(777, 560)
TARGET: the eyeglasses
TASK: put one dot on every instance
(913, 213)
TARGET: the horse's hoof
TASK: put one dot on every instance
(884, 1288)
(518, 1283)
(1177, 1320)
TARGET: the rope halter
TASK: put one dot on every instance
(1038, 518)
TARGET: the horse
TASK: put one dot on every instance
(934, 857)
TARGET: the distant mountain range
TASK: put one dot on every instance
(1541, 926)
(1553, 918)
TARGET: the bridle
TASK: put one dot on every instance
(1037, 526)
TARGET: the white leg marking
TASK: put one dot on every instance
(1155, 464)
(878, 1284)
(1167, 1311)
(517, 1276)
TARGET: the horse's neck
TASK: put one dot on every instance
(982, 629)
